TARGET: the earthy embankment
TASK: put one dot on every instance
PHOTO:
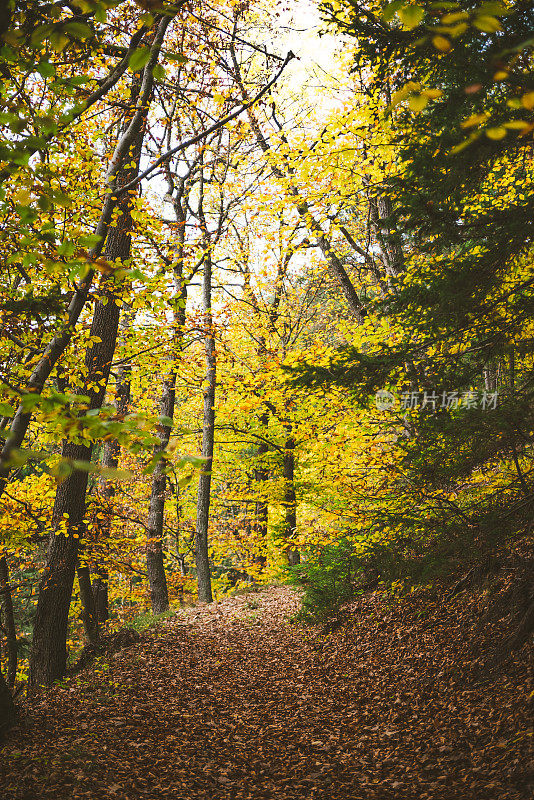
(236, 701)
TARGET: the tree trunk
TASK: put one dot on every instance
(8, 620)
(48, 654)
(290, 502)
(208, 435)
(48, 657)
(7, 708)
(89, 611)
(159, 595)
(261, 511)
(110, 460)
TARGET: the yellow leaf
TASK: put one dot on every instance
(487, 24)
(500, 75)
(441, 43)
(474, 119)
(432, 94)
(499, 132)
(448, 18)
(22, 197)
(417, 102)
(516, 125)
(527, 101)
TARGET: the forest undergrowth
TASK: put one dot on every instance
(403, 698)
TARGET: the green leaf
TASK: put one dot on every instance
(159, 73)
(80, 30)
(179, 57)
(411, 16)
(40, 34)
(115, 474)
(29, 401)
(389, 11)
(46, 70)
(139, 59)
(6, 410)
(493, 8)
(89, 240)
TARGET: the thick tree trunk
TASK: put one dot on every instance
(87, 598)
(48, 657)
(48, 653)
(290, 503)
(7, 708)
(8, 621)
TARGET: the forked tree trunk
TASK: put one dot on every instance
(48, 654)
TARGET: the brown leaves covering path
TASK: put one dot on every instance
(236, 701)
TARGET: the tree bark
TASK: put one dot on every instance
(261, 511)
(110, 460)
(7, 708)
(159, 595)
(290, 502)
(48, 654)
(208, 426)
(89, 611)
(8, 620)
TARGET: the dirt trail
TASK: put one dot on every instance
(236, 701)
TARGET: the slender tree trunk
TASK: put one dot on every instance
(208, 435)
(290, 502)
(159, 595)
(48, 653)
(8, 620)
(110, 460)
(261, 511)
(7, 707)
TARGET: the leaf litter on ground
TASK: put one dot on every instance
(229, 702)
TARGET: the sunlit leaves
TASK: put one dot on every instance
(139, 59)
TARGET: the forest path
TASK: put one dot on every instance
(235, 701)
